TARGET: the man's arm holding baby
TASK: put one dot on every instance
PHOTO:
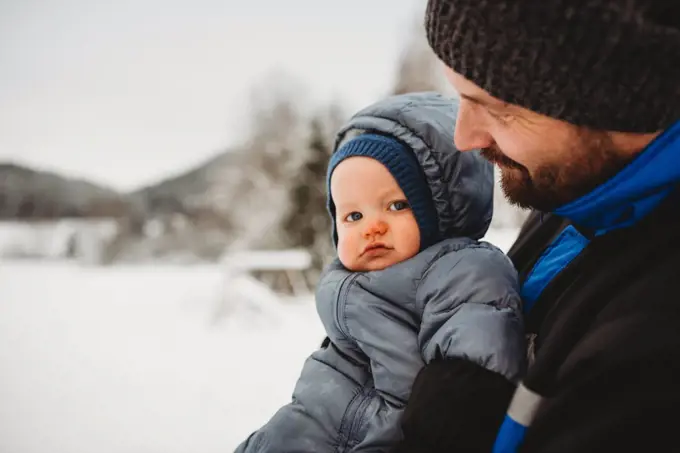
(472, 338)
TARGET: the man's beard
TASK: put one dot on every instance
(590, 160)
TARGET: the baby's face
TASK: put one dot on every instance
(376, 227)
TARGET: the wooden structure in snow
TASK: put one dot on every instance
(283, 271)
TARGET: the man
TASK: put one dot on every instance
(578, 104)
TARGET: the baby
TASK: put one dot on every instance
(411, 283)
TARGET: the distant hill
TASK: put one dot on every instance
(28, 193)
(205, 192)
(204, 187)
(234, 191)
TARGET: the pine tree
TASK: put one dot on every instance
(269, 163)
(307, 223)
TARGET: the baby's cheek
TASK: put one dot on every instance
(347, 251)
(409, 236)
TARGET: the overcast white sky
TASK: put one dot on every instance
(130, 91)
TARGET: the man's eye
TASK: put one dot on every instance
(353, 216)
(502, 117)
(399, 205)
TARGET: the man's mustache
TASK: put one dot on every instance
(495, 156)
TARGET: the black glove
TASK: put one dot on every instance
(455, 406)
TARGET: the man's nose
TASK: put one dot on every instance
(375, 228)
(470, 133)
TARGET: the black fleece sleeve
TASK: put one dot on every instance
(455, 405)
(617, 391)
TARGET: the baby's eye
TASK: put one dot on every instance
(353, 216)
(399, 205)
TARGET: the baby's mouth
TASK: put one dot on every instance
(375, 247)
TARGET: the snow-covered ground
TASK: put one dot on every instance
(54, 239)
(144, 359)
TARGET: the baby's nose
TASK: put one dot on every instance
(378, 227)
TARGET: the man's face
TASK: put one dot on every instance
(544, 162)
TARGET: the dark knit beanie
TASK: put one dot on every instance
(404, 167)
(605, 64)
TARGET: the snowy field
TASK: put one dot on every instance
(144, 359)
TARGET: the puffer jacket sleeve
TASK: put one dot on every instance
(312, 421)
(363, 319)
(351, 394)
(472, 310)
(472, 340)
